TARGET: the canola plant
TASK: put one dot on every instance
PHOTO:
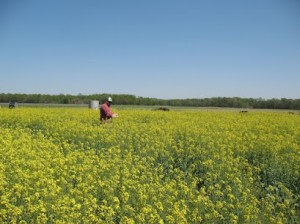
(60, 165)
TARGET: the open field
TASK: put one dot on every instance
(60, 165)
(145, 107)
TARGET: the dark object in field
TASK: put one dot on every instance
(163, 109)
(244, 111)
(12, 104)
(291, 112)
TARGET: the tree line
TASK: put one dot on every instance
(126, 99)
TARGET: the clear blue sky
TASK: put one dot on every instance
(160, 48)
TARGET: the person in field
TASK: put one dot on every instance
(105, 113)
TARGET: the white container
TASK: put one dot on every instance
(94, 104)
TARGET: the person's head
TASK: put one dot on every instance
(109, 101)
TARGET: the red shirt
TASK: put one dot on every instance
(105, 111)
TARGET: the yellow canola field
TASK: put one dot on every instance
(60, 165)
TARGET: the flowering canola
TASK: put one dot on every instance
(60, 165)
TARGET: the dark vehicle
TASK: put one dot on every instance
(12, 104)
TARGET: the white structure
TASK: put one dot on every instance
(94, 104)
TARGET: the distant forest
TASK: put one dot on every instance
(124, 99)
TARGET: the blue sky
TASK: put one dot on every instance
(160, 48)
